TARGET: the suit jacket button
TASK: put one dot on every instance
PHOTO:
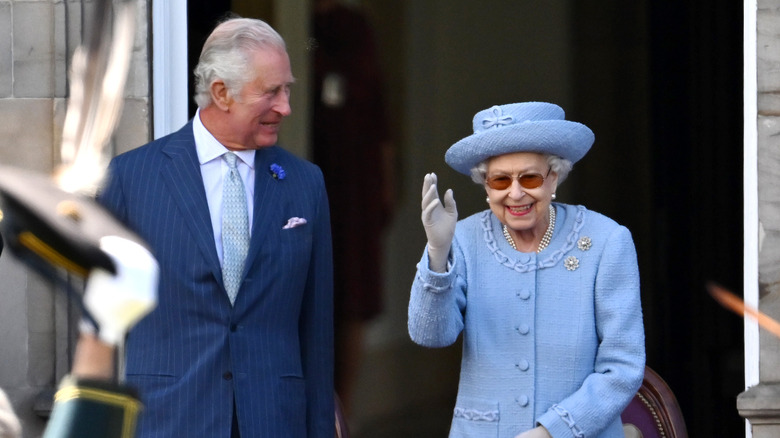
(233, 327)
(228, 376)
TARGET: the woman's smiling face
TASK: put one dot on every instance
(520, 208)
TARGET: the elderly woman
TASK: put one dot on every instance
(546, 294)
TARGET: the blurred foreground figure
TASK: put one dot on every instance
(89, 402)
(60, 234)
(50, 224)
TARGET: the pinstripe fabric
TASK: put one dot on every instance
(276, 341)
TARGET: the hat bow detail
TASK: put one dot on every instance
(498, 119)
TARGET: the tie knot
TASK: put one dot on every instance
(231, 158)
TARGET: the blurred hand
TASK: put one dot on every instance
(536, 432)
(118, 302)
(439, 222)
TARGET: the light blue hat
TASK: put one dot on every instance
(520, 127)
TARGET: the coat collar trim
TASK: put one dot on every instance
(522, 262)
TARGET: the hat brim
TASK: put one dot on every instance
(51, 229)
(564, 138)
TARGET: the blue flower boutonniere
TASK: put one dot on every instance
(277, 172)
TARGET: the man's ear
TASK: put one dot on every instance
(220, 95)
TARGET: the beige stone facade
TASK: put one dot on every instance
(761, 403)
(37, 39)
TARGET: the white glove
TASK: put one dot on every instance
(439, 222)
(118, 302)
(536, 432)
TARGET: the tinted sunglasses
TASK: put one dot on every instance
(526, 180)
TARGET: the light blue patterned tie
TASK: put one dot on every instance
(235, 228)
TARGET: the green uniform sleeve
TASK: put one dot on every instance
(89, 408)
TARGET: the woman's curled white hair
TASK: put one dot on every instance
(560, 166)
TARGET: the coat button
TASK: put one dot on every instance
(523, 329)
(523, 365)
(233, 327)
(524, 294)
(228, 376)
(522, 400)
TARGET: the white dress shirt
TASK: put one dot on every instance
(213, 169)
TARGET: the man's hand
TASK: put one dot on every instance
(439, 222)
(118, 302)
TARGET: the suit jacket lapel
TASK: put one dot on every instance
(183, 177)
(266, 204)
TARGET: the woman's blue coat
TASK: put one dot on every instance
(554, 338)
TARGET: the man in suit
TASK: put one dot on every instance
(220, 356)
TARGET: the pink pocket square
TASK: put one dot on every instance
(294, 222)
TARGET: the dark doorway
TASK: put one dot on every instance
(662, 82)
(202, 17)
(696, 119)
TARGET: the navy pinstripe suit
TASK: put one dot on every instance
(273, 350)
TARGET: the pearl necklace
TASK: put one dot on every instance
(545, 239)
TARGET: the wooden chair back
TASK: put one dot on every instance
(654, 411)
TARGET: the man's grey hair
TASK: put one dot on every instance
(227, 55)
(560, 166)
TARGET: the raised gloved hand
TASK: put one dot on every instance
(439, 222)
(118, 302)
(536, 432)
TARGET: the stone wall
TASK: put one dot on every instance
(37, 39)
(761, 403)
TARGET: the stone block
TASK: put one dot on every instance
(40, 305)
(769, 165)
(40, 368)
(768, 102)
(769, 343)
(60, 51)
(66, 314)
(133, 128)
(13, 343)
(6, 53)
(73, 24)
(26, 133)
(769, 271)
(138, 75)
(60, 110)
(137, 85)
(761, 406)
(768, 57)
(33, 49)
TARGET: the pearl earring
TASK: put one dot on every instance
(554, 196)
(487, 199)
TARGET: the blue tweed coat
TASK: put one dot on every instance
(554, 338)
